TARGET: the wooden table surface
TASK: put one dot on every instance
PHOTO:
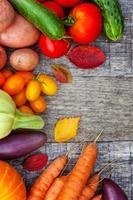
(103, 97)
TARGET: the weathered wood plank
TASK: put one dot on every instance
(108, 151)
(103, 103)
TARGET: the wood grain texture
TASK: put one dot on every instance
(107, 151)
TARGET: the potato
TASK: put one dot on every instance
(7, 15)
(24, 59)
(3, 57)
(20, 34)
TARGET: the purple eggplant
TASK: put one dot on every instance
(111, 191)
(20, 143)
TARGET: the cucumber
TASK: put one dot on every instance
(113, 19)
(43, 18)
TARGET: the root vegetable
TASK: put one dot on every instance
(20, 34)
(7, 15)
(24, 59)
(44, 181)
(80, 174)
(3, 57)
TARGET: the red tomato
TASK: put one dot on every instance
(88, 23)
(53, 48)
(56, 8)
(67, 3)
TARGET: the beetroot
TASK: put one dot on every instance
(86, 57)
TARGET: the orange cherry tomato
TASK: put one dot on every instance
(2, 79)
(7, 73)
(33, 90)
(26, 109)
(20, 98)
(14, 84)
(39, 105)
(28, 76)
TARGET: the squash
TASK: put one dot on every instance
(12, 186)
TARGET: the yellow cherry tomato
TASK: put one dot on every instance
(49, 86)
(33, 90)
(39, 105)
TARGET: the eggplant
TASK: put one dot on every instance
(112, 191)
(21, 142)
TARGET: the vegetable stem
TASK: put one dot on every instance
(69, 21)
(28, 121)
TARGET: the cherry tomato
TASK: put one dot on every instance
(20, 98)
(88, 23)
(49, 86)
(53, 48)
(56, 8)
(2, 79)
(67, 3)
(33, 90)
(7, 73)
(26, 109)
(14, 84)
(39, 105)
(28, 76)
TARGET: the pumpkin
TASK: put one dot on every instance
(12, 186)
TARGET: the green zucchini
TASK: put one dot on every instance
(113, 19)
(43, 18)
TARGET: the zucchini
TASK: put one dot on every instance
(43, 18)
(113, 19)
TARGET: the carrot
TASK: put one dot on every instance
(42, 184)
(98, 197)
(89, 190)
(80, 174)
(55, 188)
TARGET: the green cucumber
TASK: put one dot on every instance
(113, 19)
(43, 18)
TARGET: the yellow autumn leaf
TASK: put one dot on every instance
(66, 129)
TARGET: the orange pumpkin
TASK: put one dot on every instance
(12, 186)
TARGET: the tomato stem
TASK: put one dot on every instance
(69, 21)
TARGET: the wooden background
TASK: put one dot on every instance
(103, 97)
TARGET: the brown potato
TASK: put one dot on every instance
(24, 59)
(3, 57)
(7, 15)
(20, 34)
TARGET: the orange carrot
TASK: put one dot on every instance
(98, 197)
(89, 190)
(80, 174)
(55, 188)
(42, 184)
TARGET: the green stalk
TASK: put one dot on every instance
(28, 121)
(69, 21)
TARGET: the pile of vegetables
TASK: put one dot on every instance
(54, 26)
(80, 184)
